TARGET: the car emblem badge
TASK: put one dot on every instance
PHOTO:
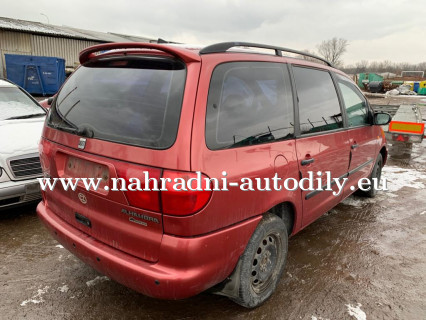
(82, 198)
(82, 143)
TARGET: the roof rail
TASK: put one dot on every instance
(224, 46)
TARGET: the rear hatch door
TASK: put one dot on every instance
(117, 117)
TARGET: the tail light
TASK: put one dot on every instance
(184, 202)
(179, 202)
(44, 150)
(400, 137)
(149, 200)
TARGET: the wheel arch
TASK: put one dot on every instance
(383, 151)
(287, 212)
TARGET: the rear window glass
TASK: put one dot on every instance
(249, 103)
(136, 100)
(319, 108)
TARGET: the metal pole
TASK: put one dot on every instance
(48, 22)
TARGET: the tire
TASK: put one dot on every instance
(376, 173)
(262, 262)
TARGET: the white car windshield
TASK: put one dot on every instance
(14, 104)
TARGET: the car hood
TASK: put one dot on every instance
(19, 137)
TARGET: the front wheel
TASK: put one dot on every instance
(376, 174)
(262, 262)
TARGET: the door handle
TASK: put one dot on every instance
(307, 161)
(354, 146)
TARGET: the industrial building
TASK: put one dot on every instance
(39, 39)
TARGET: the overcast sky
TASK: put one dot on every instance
(376, 29)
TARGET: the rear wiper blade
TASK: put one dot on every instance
(27, 116)
(66, 129)
(83, 131)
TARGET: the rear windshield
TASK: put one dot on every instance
(133, 100)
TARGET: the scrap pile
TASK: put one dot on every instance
(392, 84)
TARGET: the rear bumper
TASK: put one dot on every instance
(186, 266)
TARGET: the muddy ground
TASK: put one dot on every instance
(364, 258)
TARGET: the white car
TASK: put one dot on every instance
(21, 123)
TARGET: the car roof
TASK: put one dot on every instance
(6, 84)
(193, 53)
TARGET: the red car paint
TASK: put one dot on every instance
(183, 255)
(44, 103)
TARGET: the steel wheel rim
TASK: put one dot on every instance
(265, 264)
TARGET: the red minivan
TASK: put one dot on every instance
(229, 111)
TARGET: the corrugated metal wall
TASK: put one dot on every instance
(29, 44)
(14, 43)
(59, 47)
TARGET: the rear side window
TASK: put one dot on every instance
(354, 101)
(249, 103)
(134, 100)
(319, 108)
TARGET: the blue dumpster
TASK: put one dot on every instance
(416, 86)
(37, 75)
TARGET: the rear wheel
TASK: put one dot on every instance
(375, 174)
(263, 262)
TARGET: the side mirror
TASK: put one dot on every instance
(49, 101)
(382, 118)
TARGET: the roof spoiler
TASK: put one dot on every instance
(224, 46)
(184, 54)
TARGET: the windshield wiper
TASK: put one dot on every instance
(27, 116)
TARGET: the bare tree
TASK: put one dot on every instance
(333, 49)
(384, 66)
(361, 66)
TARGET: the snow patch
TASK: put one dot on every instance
(351, 201)
(422, 213)
(64, 288)
(391, 195)
(59, 246)
(356, 201)
(397, 178)
(356, 312)
(97, 280)
(22, 135)
(37, 298)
